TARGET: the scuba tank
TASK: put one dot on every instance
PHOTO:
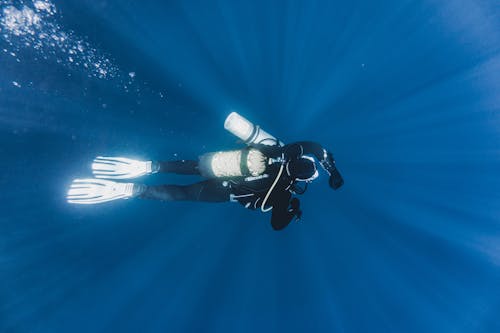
(253, 134)
(237, 163)
(234, 163)
(248, 132)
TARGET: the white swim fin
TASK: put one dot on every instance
(121, 167)
(93, 191)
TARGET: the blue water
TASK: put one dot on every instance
(406, 94)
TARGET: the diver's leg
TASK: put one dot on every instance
(126, 168)
(183, 167)
(207, 191)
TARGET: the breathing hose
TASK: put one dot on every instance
(270, 190)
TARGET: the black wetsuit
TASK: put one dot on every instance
(248, 191)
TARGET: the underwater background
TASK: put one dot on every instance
(406, 94)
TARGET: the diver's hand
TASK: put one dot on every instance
(121, 167)
(328, 162)
(295, 208)
(335, 181)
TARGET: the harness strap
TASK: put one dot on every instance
(244, 162)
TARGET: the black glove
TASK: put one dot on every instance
(328, 163)
(335, 181)
(295, 208)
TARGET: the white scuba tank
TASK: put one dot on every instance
(243, 162)
(248, 132)
(233, 163)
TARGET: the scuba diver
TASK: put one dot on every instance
(265, 175)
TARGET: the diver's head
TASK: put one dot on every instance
(302, 169)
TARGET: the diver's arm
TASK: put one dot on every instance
(291, 151)
(312, 148)
(281, 218)
(283, 214)
(269, 151)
